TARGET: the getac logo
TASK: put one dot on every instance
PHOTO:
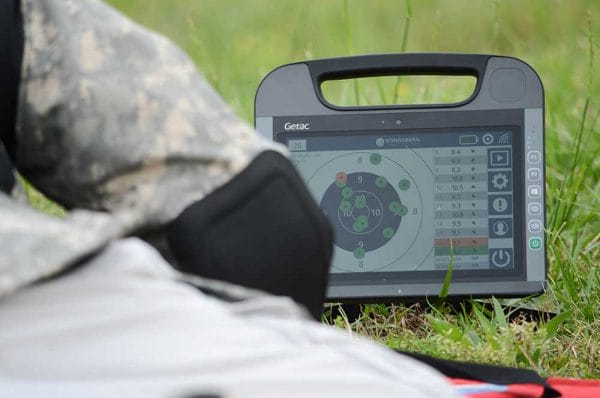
(296, 126)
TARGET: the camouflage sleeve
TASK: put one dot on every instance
(34, 245)
(114, 117)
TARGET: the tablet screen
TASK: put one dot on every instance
(412, 202)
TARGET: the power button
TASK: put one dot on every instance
(535, 243)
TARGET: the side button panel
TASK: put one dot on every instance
(534, 194)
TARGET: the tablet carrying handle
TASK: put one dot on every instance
(397, 64)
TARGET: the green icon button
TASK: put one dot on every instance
(535, 243)
(404, 185)
(360, 224)
(360, 202)
(381, 182)
(398, 209)
(345, 206)
(388, 233)
(347, 192)
(403, 210)
(375, 158)
(359, 252)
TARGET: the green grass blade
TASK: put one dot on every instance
(551, 327)
(350, 48)
(448, 277)
(404, 44)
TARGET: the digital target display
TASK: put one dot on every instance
(413, 202)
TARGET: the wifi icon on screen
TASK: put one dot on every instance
(504, 138)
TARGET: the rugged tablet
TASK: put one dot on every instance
(412, 189)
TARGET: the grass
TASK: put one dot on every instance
(236, 43)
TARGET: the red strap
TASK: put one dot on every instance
(569, 388)
(576, 388)
(469, 388)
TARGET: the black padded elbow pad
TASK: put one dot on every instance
(262, 230)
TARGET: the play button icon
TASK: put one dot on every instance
(499, 158)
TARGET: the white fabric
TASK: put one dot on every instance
(122, 326)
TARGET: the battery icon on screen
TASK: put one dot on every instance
(468, 139)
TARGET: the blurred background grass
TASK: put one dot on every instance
(236, 43)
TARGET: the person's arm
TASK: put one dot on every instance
(113, 117)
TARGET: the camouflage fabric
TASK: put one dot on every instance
(114, 117)
(35, 245)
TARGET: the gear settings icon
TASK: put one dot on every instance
(500, 181)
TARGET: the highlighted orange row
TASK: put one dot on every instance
(461, 242)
